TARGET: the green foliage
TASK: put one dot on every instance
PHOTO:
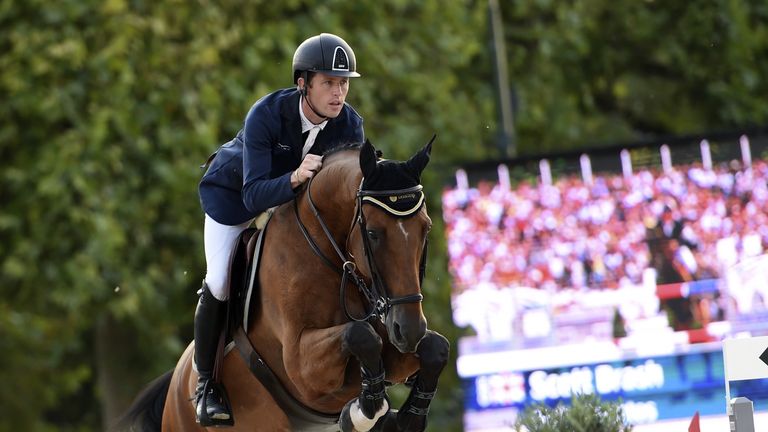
(97, 205)
(596, 71)
(108, 107)
(586, 413)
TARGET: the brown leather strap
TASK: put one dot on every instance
(301, 416)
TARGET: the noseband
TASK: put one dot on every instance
(376, 295)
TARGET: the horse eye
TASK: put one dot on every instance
(372, 235)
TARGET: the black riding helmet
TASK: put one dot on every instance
(326, 53)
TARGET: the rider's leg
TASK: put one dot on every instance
(211, 405)
(220, 241)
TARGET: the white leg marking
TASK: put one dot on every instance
(360, 421)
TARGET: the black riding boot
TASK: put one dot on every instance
(211, 404)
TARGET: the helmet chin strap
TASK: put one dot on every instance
(304, 93)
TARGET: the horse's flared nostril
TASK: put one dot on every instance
(398, 334)
(405, 331)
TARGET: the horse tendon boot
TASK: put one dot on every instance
(361, 414)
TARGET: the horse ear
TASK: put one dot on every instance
(367, 158)
(419, 161)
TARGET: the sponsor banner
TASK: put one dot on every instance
(651, 389)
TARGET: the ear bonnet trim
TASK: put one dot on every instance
(400, 203)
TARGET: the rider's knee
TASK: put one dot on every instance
(218, 285)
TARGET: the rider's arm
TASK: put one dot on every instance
(261, 133)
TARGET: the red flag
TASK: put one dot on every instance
(694, 427)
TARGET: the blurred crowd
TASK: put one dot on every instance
(600, 234)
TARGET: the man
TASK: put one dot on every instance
(277, 150)
(670, 244)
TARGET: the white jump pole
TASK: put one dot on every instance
(503, 172)
(626, 163)
(462, 183)
(666, 158)
(586, 168)
(706, 155)
(546, 173)
(746, 152)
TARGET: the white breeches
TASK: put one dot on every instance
(219, 246)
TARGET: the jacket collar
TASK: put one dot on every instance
(290, 115)
(292, 121)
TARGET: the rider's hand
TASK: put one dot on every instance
(309, 166)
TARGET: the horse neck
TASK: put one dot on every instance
(334, 192)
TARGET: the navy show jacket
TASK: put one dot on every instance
(251, 173)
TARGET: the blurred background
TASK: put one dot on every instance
(107, 109)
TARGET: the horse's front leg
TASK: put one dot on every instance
(319, 368)
(432, 353)
(361, 414)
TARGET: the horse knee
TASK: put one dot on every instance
(433, 351)
(361, 340)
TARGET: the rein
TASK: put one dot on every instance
(376, 295)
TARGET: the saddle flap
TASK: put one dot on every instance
(243, 283)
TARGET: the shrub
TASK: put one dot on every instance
(587, 413)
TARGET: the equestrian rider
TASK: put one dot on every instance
(276, 151)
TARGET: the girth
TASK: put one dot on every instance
(301, 416)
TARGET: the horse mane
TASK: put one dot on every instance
(344, 146)
(340, 147)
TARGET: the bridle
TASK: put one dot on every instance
(376, 295)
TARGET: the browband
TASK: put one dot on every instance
(395, 202)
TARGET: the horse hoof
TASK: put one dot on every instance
(345, 420)
(387, 422)
(352, 418)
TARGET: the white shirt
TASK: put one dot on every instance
(313, 129)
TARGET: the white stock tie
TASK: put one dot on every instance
(310, 140)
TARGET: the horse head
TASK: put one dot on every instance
(393, 226)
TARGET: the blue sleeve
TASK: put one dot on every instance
(360, 133)
(356, 121)
(261, 133)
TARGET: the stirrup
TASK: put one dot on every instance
(201, 406)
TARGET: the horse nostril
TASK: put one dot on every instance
(398, 334)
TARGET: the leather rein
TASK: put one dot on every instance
(376, 295)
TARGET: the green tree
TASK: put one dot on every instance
(596, 72)
(109, 108)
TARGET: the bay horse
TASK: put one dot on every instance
(339, 314)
